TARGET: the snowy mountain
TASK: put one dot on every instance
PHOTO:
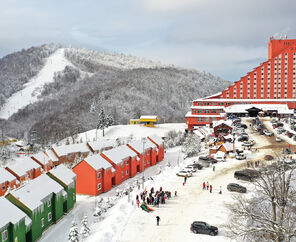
(57, 91)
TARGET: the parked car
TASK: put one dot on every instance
(199, 227)
(196, 166)
(243, 138)
(278, 139)
(267, 132)
(190, 169)
(240, 156)
(246, 174)
(207, 159)
(268, 157)
(184, 173)
(234, 187)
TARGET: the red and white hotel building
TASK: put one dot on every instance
(272, 82)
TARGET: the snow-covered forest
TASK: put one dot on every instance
(17, 68)
(124, 86)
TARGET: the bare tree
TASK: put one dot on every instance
(269, 214)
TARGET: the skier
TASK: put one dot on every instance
(220, 190)
(214, 168)
(204, 186)
(185, 179)
(207, 185)
(175, 193)
(138, 202)
(211, 188)
(157, 220)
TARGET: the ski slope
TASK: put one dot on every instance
(54, 63)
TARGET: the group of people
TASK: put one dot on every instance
(154, 197)
(207, 186)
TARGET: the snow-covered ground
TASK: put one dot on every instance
(54, 63)
(126, 222)
(125, 131)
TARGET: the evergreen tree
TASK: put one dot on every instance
(104, 121)
(84, 229)
(73, 233)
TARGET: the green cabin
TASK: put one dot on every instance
(67, 179)
(42, 199)
(14, 223)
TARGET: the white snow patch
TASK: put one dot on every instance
(54, 63)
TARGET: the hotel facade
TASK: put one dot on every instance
(271, 87)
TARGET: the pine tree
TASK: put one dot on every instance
(84, 229)
(104, 121)
(73, 233)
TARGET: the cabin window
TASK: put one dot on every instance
(48, 203)
(99, 175)
(126, 162)
(4, 235)
(122, 174)
(99, 186)
(42, 222)
(49, 216)
(3, 188)
(127, 172)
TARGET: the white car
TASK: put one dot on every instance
(189, 168)
(220, 158)
(184, 173)
(240, 156)
(266, 132)
(278, 139)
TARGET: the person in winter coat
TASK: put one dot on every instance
(207, 185)
(157, 220)
(185, 179)
(211, 188)
(138, 202)
(204, 186)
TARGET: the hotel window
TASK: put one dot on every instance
(199, 110)
(207, 111)
(207, 119)
(214, 111)
(200, 119)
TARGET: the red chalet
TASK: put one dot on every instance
(124, 161)
(101, 145)
(24, 168)
(271, 86)
(158, 141)
(7, 180)
(149, 154)
(43, 160)
(94, 175)
(68, 153)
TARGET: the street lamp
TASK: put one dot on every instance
(143, 177)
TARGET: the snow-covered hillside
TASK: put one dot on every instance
(121, 61)
(56, 62)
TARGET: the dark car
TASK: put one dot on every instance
(196, 165)
(246, 174)
(199, 227)
(234, 187)
(243, 138)
(207, 159)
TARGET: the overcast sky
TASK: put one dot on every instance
(225, 37)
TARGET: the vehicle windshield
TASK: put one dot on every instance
(207, 225)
